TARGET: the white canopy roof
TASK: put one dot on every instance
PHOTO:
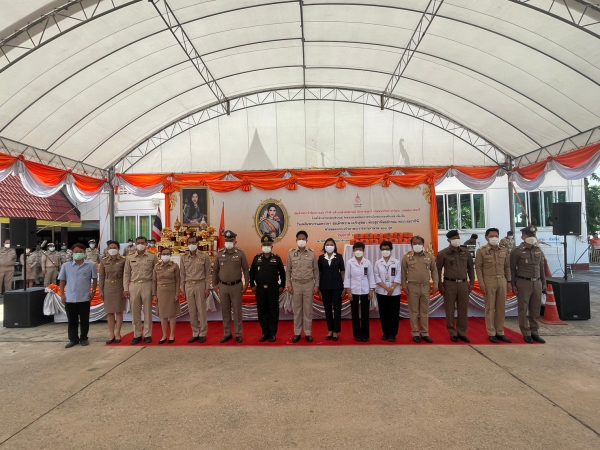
(98, 79)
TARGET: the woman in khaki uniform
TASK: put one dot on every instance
(165, 289)
(34, 266)
(111, 290)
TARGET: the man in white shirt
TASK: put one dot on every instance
(359, 282)
(388, 279)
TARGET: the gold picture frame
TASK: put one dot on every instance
(271, 217)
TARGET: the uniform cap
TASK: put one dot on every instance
(266, 239)
(452, 233)
(229, 235)
(529, 231)
(92, 240)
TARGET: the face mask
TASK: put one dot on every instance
(28, 251)
(131, 244)
(301, 243)
(531, 240)
(417, 248)
(151, 245)
(50, 249)
(113, 251)
(386, 253)
(494, 241)
(165, 258)
(455, 242)
(329, 248)
(228, 245)
(358, 253)
(266, 249)
(192, 247)
(140, 247)
(63, 248)
(6, 245)
(510, 238)
(78, 256)
(92, 245)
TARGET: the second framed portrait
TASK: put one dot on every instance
(271, 218)
(194, 206)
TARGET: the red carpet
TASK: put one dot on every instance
(437, 330)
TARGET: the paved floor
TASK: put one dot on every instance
(371, 397)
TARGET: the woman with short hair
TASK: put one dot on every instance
(331, 286)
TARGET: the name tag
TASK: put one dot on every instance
(366, 271)
(393, 271)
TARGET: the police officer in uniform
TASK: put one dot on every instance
(528, 281)
(137, 287)
(92, 253)
(8, 258)
(33, 265)
(51, 263)
(508, 242)
(267, 279)
(231, 264)
(458, 277)
(195, 270)
(110, 285)
(130, 249)
(492, 264)
(65, 253)
(418, 267)
(302, 282)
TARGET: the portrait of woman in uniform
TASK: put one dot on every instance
(194, 206)
(271, 219)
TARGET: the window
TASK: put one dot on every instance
(130, 227)
(538, 207)
(460, 211)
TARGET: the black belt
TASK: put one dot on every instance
(528, 279)
(231, 283)
(456, 281)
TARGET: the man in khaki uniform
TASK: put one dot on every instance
(92, 253)
(137, 286)
(457, 282)
(508, 242)
(51, 263)
(528, 281)
(129, 249)
(65, 253)
(302, 281)
(8, 258)
(195, 269)
(418, 267)
(231, 264)
(492, 264)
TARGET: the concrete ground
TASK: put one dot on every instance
(542, 396)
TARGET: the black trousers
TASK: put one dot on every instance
(389, 313)
(267, 305)
(78, 315)
(332, 302)
(360, 316)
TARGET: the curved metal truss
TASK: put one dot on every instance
(377, 100)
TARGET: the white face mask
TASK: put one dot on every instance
(531, 240)
(494, 241)
(63, 248)
(455, 242)
(165, 258)
(92, 245)
(301, 243)
(228, 245)
(386, 253)
(417, 248)
(50, 248)
(192, 247)
(266, 249)
(113, 251)
(28, 251)
(329, 248)
(358, 253)
(6, 245)
(140, 247)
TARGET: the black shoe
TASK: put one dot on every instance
(110, 341)
(503, 338)
(454, 338)
(193, 339)
(493, 339)
(117, 341)
(201, 339)
(365, 339)
(464, 339)
(384, 337)
(335, 338)
(148, 340)
(309, 338)
(162, 341)
(537, 338)
(71, 344)
(84, 342)
(528, 339)
(296, 339)
(263, 338)
(136, 340)
(417, 339)
(329, 337)
(226, 339)
(239, 339)
(272, 338)
(171, 341)
(391, 339)
(427, 339)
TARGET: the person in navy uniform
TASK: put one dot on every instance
(267, 279)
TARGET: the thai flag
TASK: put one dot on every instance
(221, 237)
(157, 226)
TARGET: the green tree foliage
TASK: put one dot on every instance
(592, 204)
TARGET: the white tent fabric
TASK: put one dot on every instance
(517, 76)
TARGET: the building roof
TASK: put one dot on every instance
(16, 202)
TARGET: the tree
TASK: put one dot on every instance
(592, 204)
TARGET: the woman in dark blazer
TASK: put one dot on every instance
(331, 285)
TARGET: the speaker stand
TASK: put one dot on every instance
(565, 255)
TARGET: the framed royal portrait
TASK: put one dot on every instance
(194, 206)
(271, 218)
